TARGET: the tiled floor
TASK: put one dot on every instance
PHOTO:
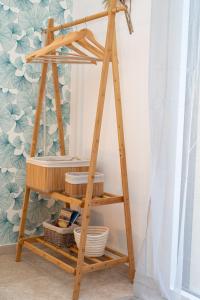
(36, 279)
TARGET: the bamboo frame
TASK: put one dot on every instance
(78, 257)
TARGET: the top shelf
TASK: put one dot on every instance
(106, 199)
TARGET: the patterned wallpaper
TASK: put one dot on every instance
(20, 33)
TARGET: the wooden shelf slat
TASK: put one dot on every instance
(105, 264)
(49, 257)
(98, 201)
(30, 239)
(56, 249)
(75, 251)
(92, 259)
(115, 252)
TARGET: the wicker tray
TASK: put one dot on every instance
(61, 237)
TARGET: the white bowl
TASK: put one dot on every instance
(97, 237)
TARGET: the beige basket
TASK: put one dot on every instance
(76, 184)
(61, 237)
(47, 174)
(96, 240)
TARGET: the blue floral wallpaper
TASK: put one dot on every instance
(20, 33)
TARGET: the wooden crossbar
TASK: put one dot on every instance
(86, 19)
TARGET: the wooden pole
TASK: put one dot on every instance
(95, 147)
(57, 97)
(87, 19)
(39, 110)
(32, 153)
(122, 153)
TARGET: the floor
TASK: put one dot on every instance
(36, 279)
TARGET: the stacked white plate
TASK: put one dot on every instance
(97, 237)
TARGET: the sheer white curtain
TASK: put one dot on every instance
(189, 241)
(168, 57)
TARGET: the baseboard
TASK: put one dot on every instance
(7, 249)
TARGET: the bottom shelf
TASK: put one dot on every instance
(66, 259)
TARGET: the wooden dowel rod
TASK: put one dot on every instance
(86, 19)
(64, 62)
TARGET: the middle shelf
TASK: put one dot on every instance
(106, 199)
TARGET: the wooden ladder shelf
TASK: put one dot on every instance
(73, 260)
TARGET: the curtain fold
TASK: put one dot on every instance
(153, 283)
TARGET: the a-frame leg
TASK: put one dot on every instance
(57, 98)
(22, 224)
(32, 153)
(122, 153)
(94, 153)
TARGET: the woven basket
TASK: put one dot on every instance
(61, 237)
(47, 174)
(76, 184)
(96, 240)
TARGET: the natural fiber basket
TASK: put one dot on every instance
(76, 184)
(47, 174)
(97, 237)
(61, 237)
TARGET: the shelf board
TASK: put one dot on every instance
(106, 199)
(110, 259)
(66, 199)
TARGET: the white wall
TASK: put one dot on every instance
(133, 57)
